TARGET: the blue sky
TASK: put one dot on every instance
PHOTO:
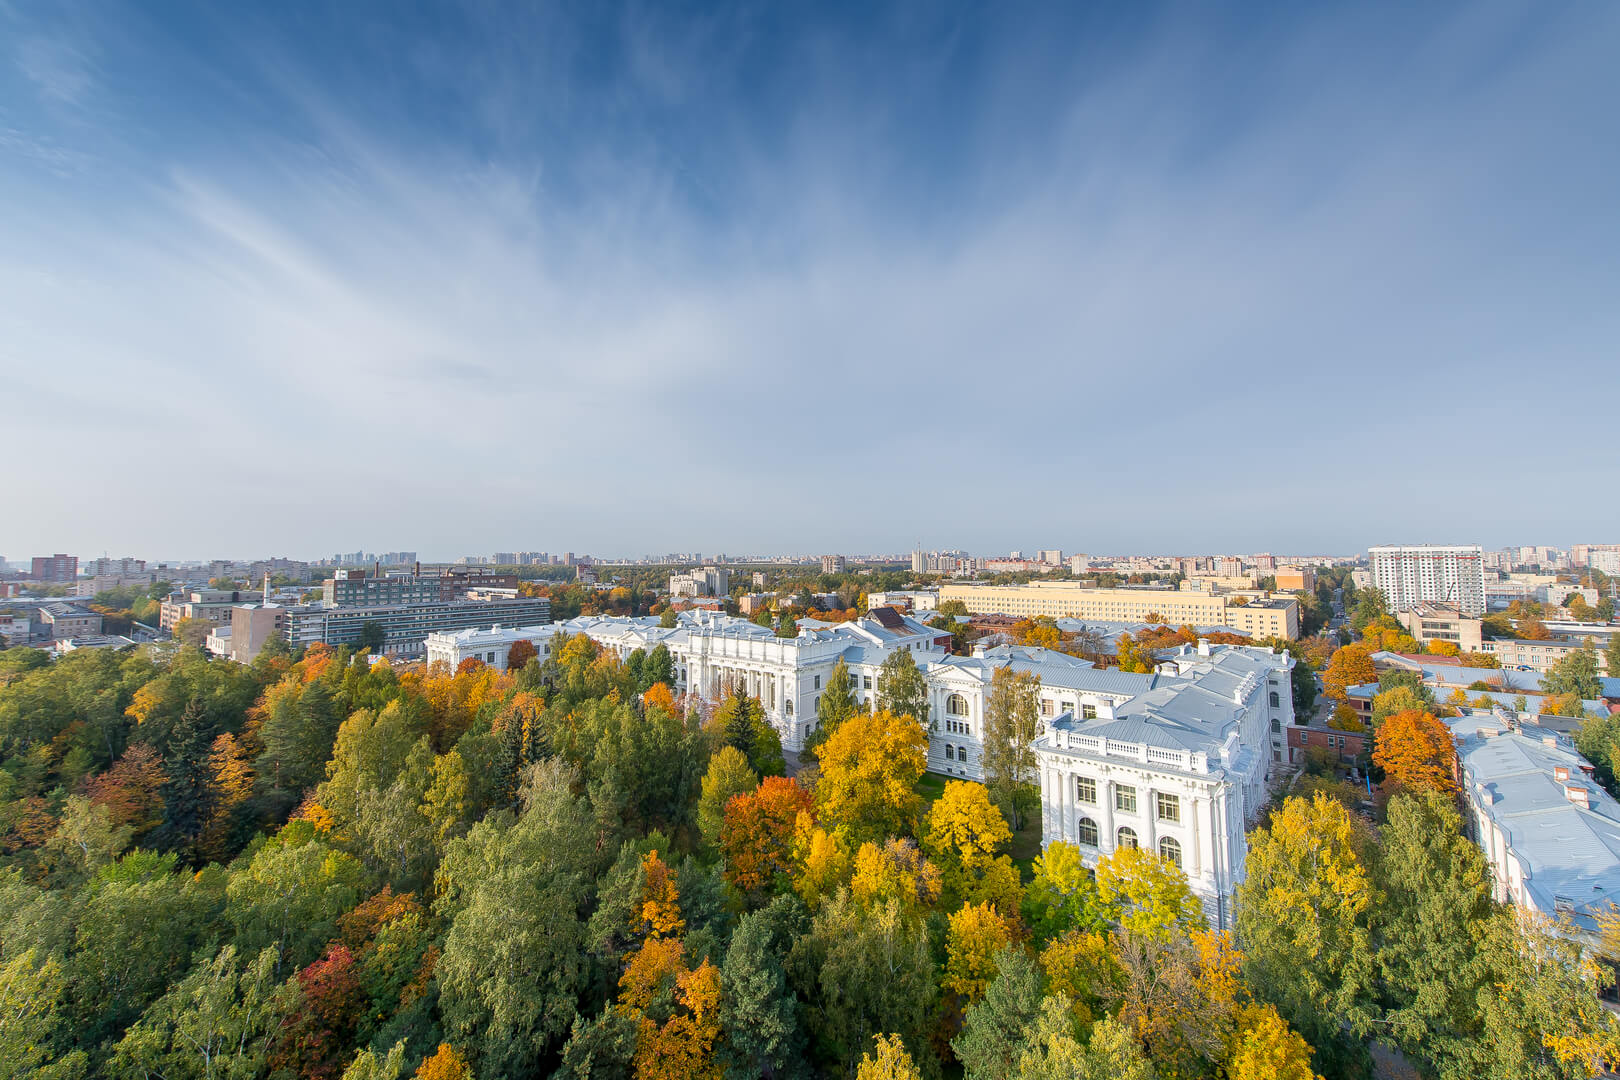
(631, 279)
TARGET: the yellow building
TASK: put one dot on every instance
(1295, 578)
(1275, 617)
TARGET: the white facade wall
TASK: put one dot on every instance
(1408, 575)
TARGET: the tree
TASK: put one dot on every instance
(446, 1063)
(836, 704)
(901, 688)
(31, 990)
(1148, 892)
(1370, 606)
(890, 1062)
(1436, 898)
(290, 895)
(517, 658)
(186, 792)
(1266, 1048)
(976, 936)
(1063, 895)
(995, 1029)
(314, 1039)
(862, 972)
(659, 668)
(1303, 915)
(728, 775)
(216, 1022)
(192, 632)
(824, 863)
(869, 771)
(759, 1012)
(1575, 674)
(1055, 1054)
(742, 724)
(965, 833)
(895, 871)
(758, 832)
(1351, 666)
(372, 637)
(1416, 752)
(787, 626)
(1011, 720)
(1402, 697)
(1083, 966)
(513, 891)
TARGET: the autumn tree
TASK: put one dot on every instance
(1351, 666)
(517, 658)
(901, 688)
(965, 834)
(977, 934)
(758, 832)
(1011, 720)
(1063, 896)
(728, 775)
(445, 1063)
(889, 1061)
(1148, 893)
(823, 862)
(869, 771)
(1304, 913)
(1416, 752)
(230, 788)
(895, 871)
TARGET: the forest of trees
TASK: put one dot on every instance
(312, 867)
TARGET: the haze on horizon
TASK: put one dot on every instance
(635, 279)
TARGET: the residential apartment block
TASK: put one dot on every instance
(55, 569)
(1408, 575)
(405, 627)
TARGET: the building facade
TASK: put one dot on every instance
(405, 627)
(1409, 575)
(355, 588)
(707, 581)
(1432, 621)
(209, 605)
(55, 569)
(70, 620)
(1179, 769)
(1273, 617)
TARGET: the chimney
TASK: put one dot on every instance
(376, 568)
(1561, 772)
(1550, 740)
(418, 571)
(1203, 646)
(1578, 796)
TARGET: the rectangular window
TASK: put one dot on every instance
(867, 681)
(1125, 798)
(1046, 707)
(818, 682)
(1169, 807)
(1088, 712)
(1085, 790)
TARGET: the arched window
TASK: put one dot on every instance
(788, 704)
(956, 705)
(1170, 848)
(1126, 837)
(961, 752)
(1088, 832)
(1276, 702)
(950, 752)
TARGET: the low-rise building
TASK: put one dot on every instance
(1539, 655)
(492, 646)
(1549, 831)
(1436, 621)
(209, 605)
(70, 621)
(62, 646)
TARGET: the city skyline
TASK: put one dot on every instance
(725, 279)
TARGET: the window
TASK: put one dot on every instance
(961, 753)
(1276, 702)
(788, 704)
(956, 705)
(1169, 807)
(1125, 838)
(1047, 707)
(1088, 712)
(1087, 832)
(866, 682)
(1276, 724)
(950, 752)
(1085, 790)
(1125, 799)
(1170, 848)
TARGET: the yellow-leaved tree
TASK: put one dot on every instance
(977, 933)
(965, 833)
(895, 870)
(1149, 893)
(822, 861)
(1266, 1048)
(869, 771)
(891, 1061)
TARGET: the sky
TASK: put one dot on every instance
(300, 278)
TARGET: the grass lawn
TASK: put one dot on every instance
(1026, 842)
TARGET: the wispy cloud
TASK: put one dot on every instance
(1141, 300)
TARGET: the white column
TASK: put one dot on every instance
(1150, 817)
(1105, 841)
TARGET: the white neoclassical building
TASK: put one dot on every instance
(1179, 768)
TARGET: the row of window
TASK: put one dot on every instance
(958, 753)
(1124, 837)
(1166, 806)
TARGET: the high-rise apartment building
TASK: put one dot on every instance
(55, 569)
(1412, 574)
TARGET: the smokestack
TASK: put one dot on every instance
(267, 586)
(376, 568)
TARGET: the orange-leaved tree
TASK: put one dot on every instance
(658, 914)
(757, 834)
(1350, 666)
(519, 655)
(1416, 752)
